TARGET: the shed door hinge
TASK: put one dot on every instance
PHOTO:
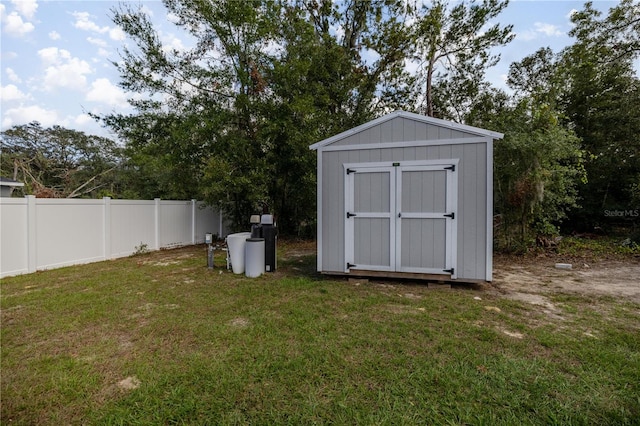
(350, 265)
(449, 271)
(349, 171)
(452, 215)
(451, 167)
(349, 214)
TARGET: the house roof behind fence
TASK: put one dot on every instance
(9, 182)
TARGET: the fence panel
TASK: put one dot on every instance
(175, 223)
(43, 233)
(68, 232)
(208, 221)
(13, 236)
(132, 226)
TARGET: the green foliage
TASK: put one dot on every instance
(600, 101)
(536, 173)
(599, 247)
(56, 162)
(141, 249)
(537, 167)
(239, 109)
(230, 119)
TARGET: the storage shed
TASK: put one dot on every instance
(407, 195)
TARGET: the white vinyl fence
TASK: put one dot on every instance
(45, 233)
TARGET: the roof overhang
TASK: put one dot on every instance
(10, 182)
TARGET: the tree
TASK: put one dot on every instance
(600, 100)
(263, 81)
(537, 166)
(453, 49)
(56, 162)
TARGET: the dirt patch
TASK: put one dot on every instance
(513, 334)
(240, 322)
(130, 383)
(532, 280)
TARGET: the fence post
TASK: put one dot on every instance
(193, 222)
(32, 240)
(106, 236)
(219, 223)
(157, 223)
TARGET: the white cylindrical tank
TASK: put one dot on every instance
(254, 257)
(235, 245)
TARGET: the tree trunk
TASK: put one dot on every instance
(429, 93)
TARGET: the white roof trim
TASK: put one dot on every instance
(417, 117)
(11, 183)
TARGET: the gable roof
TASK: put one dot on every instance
(404, 114)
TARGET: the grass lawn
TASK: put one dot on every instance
(160, 339)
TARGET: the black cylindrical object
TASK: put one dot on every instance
(270, 235)
(256, 230)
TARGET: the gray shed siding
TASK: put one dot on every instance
(402, 129)
(472, 187)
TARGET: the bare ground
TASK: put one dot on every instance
(531, 278)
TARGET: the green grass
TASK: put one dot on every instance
(296, 348)
(598, 247)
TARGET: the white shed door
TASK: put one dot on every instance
(370, 218)
(401, 218)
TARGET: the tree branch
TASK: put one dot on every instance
(75, 192)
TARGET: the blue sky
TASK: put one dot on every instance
(55, 62)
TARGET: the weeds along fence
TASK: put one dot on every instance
(47, 233)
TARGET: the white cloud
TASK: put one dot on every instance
(103, 91)
(82, 119)
(23, 115)
(12, 76)
(84, 22)
(9, 55)
(144, 9)
(117, 34)
(54, 35)
(173, 18)
(10, 92)
(97, 41)
(15, 26)
(26, 8)
(103, 52)
(547, 29)
(540, 30)
(63, 70)
(171, 42)
(53, 55)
